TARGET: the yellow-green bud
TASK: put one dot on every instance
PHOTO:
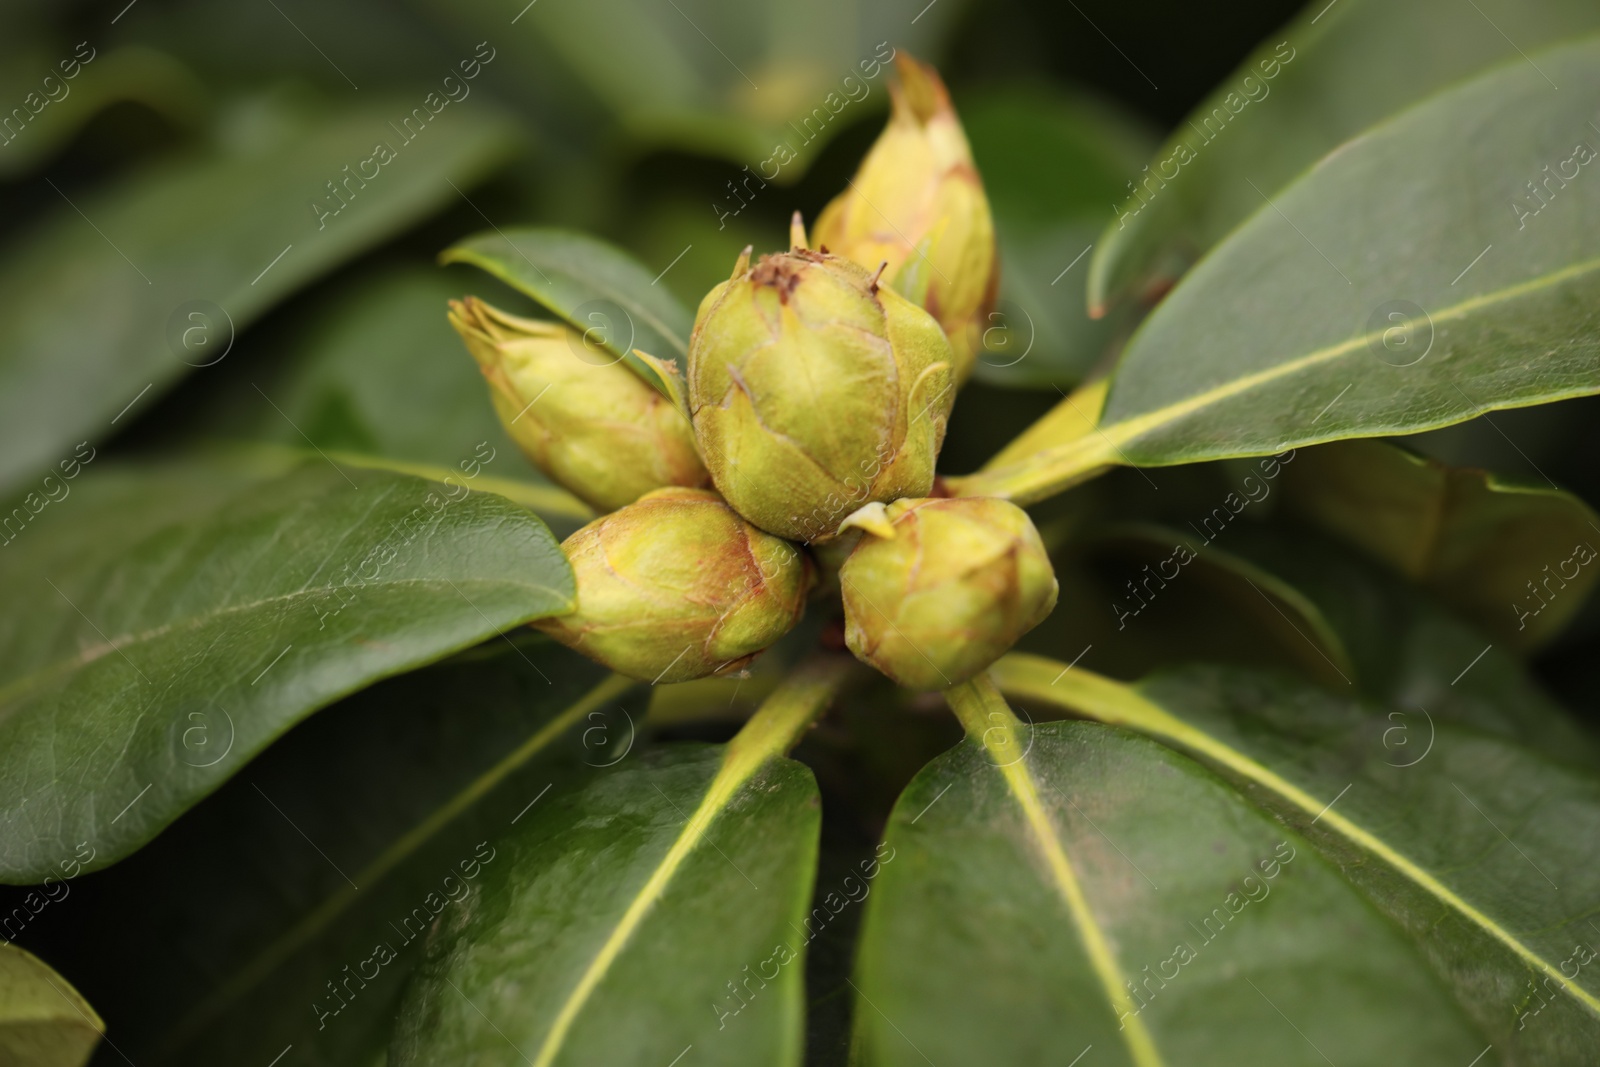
(593, 426)
(918, 204)
(955, 587)
(677, 586)
(815, 391)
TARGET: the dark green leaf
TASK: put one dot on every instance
(1497, 551)
(655, 910)
(131, 288)
(1073, 891)
(43, 1020)
(256, 592)
(1349, 65)
(1379, 294)
(1484, 853)
(403, 788)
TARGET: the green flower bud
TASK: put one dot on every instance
(814, 391)
(955, 587)
(677, 586)
(918, 204)
(593, 427)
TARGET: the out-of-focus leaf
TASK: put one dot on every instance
(1379, 294)
(1070, 890)
(250, 594)
(378, 373)
(44, 1022)
(601, 291)
(721, 77)
(1483, 853)
(404, 789)
(130, 74)
(125, 290)
(1051, 165)
(1335, 70)
(1413, 655)
(1499, 552)
(655, 911)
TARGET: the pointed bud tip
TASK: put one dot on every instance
(797, 233)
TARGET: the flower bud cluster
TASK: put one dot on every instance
(819, 385)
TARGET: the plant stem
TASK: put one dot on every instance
(1044, 474)
(788, 712)
(986, 717)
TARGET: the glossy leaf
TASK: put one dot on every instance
(44, 1022)
(135, 286)
(1070, 890)
(656, 910)
(257, 592)
(1511, 557)
(601, 291)
(403, 789)
(1050, 165)
(1481, 851)
(1380, 294)
(1334, 71)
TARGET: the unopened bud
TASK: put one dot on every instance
(955, 587)
(677, 586)
(594, 428)
(918, 204)
(814, 390)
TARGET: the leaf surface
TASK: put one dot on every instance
(1349, 65)
(1070, 890)
(1511, 557)
(1483, 852)
(248, 593)
(1381, 293)
(135, 286)
(44, 1022)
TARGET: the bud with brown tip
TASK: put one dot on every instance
(677, 586)
(815, 390)
(593, 427)
(918, 204)
(951, 591)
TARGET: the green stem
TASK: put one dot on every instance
(1044, 474)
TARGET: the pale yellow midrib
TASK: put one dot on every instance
(319, 919)
(1113, 435)
(769, 733)
(1020, 782)
(1120, 706)
(723, 786)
